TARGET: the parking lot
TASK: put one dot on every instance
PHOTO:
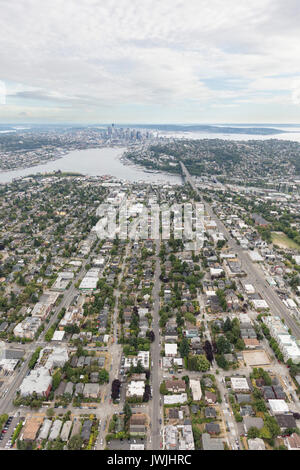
(124, 444)
(9, 430)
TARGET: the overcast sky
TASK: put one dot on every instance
(154, 61)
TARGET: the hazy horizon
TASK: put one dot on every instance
(94, 123)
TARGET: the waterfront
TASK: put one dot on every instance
(93, 162)
(108, 160)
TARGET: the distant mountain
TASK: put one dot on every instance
(211, 129)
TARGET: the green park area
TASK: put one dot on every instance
(283, 241)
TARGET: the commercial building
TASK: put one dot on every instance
(39, 381)
(58, 335)
(286, 343)
(8, 365)
(260, 304)
(174, 399)
(62, 281)
(143, 358)
(41, 310)
(27, 328)
(135, 388)
(170, 349)
(88, 284)
(239, 384)
(278, 407)
(90, 281)
(54, 356)
(186, 438)
(249, 289)
(171, 437)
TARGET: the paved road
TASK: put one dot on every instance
(115, 350)
(155, 409)
(233, 434)
(6, 405)
(255, 275)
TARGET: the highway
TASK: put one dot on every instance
(255, 275)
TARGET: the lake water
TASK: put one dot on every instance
(106, 161)
(94, 162)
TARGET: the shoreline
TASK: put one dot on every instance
(116, 172)
(129, 163)
(59, 157)
(32, 166)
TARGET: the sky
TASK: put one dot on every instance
(150, 61)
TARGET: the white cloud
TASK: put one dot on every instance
(149, 52)
(296, 91)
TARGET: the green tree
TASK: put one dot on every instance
(223, 345)
(253, 432)
(198, 363)
(221, 361)
(227, 324)
(75, 443)
(50, 412)
(103, 376)
(56, 378)
(127, 414)
(184, 347)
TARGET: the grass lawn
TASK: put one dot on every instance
(283, 241)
